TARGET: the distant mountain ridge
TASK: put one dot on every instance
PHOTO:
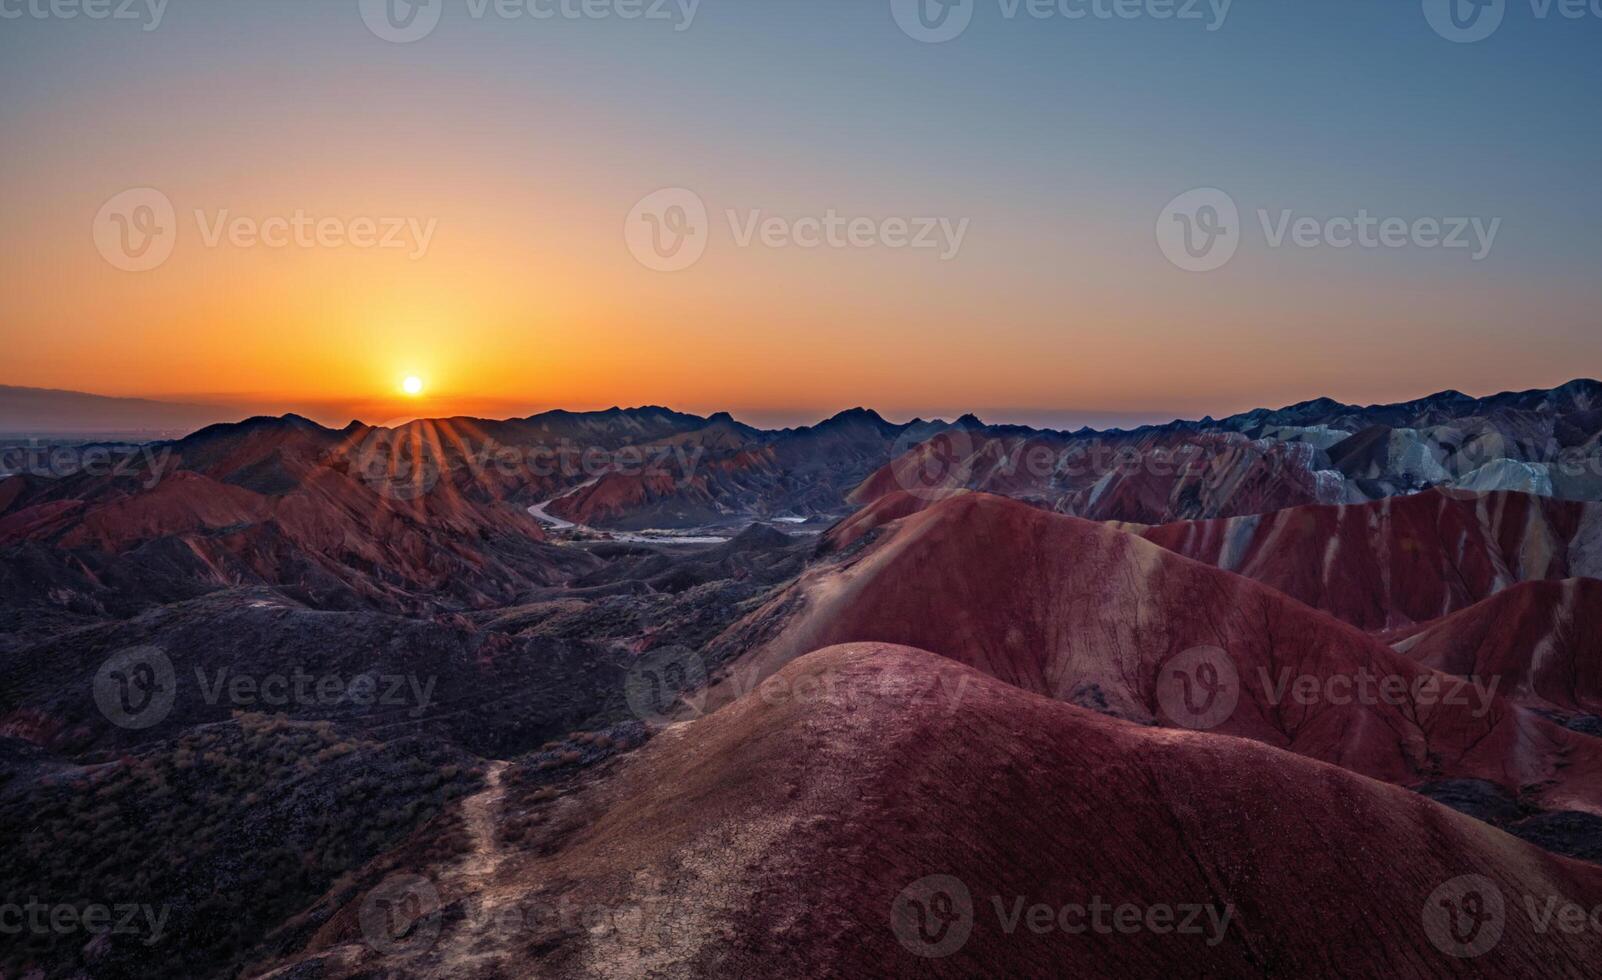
(25, 410)
(48, 411)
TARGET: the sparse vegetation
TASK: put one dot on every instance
(229, 830)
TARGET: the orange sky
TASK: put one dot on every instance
(527, 152)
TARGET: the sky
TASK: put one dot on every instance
(1085, 212)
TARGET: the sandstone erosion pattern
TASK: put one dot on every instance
(639, 693)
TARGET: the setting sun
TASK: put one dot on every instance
(413, 385)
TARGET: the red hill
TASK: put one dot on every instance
(797, 836)
(1403, 560)
(1543, 639)
(1088, 614)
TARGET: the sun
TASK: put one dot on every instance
(413, 385)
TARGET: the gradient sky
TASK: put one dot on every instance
(1060, 141)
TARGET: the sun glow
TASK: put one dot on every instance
(413, 385)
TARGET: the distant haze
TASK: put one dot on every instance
(42, 411)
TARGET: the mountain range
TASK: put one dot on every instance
(640, 693)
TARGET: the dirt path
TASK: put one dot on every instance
(475, 945)
(471, 946)
(481, 812)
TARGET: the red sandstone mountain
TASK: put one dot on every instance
(359, 516)
(1098, 617)
(1543, 639)
(1403, 560)
(782, 822)
(880, 827)
(1153, 476)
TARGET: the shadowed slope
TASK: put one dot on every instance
(792, 835)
